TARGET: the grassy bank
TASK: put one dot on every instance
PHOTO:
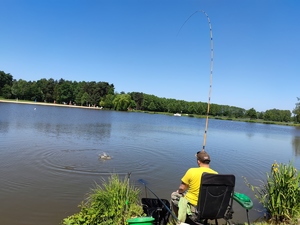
(247, 120)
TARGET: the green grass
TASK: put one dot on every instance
(113, 202)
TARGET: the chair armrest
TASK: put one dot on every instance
(243, 200)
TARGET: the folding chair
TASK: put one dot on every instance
(215, 199)
(153, 207)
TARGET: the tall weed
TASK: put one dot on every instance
(112, 203)
(280, 194)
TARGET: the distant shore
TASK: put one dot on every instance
(170, 114)
(48, 104)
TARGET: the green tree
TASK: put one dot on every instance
(35, 92)
(132, 104)
(226, 111)
(138, 97)
(261, 115)
(238, 112)
(78, 92)
(171, 107)
(107, 101)
(85, 99)
(296, 111)
(20, 89)
(146, 102)
(152, 106)
(179, 106)
(285, 115)
(191, 109)
(5, 78)
(6, 91)
(201, 108)
(63, 91)
(122, 102)
(47, 88)
(216, 110)
(252, 113)
(277, 115)
(42, 85)
(66, 92)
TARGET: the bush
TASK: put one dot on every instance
(112, 203)
(280, 195)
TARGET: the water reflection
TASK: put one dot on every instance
(4, 126)
(250, 135)
(87, 131)
(296, 146)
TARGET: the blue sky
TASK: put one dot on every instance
(135, 45)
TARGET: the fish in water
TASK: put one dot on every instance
(104, 156)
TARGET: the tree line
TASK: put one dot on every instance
(102, 94)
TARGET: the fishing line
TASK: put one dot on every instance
(211, 70)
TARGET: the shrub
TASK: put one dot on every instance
(112, 203)
(280, 195)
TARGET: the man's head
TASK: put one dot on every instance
(203, 157)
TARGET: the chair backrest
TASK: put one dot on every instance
(215, 195)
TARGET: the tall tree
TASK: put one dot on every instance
(296, 111)
(5, 78)
(6, 91)
(107, 101)
(122, 102)
(252, 113)
(278, 115)
(85, 99)
(138, 97)
(20, 89)
(35, 92)
(152, 106)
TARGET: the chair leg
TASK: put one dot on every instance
(247, 211)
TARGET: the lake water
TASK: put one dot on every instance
(49, 156)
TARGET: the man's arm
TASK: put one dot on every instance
(182, 188)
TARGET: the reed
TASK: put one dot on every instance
(280, 194)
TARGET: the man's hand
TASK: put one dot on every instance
(182, 194)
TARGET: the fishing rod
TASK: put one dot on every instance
(211, 75)
(208, 105)
(211, 70)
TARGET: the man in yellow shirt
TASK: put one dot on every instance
(190, 182)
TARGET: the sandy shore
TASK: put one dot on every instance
(47, 104)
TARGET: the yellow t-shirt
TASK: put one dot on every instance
(193, 178)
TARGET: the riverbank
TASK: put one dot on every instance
(228, 118)
(150, 112)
